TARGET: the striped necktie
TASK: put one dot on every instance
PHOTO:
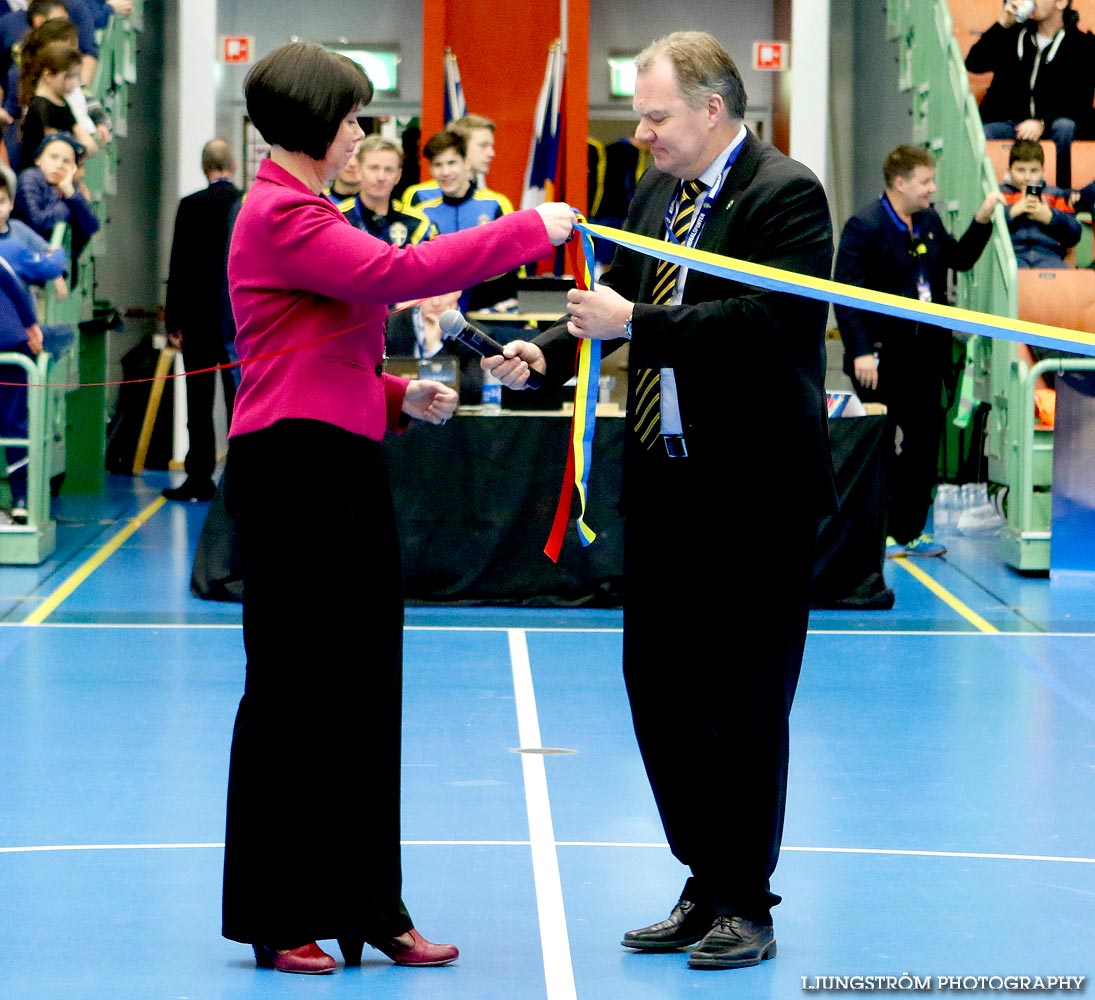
(647, 411)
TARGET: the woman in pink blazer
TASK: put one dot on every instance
(312, 842)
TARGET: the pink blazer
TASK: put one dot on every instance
(309, 293)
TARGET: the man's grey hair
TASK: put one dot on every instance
(702, 67)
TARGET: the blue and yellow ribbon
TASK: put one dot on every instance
(968, 321)
(584, 420)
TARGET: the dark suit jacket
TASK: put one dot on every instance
(750, 363)
(195, 281)
(874, 253)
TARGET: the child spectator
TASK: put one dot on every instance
(19, 333)
(43, 88)
(1041, 220)
(30, 256)
(51, 192)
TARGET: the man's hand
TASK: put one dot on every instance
(175, 339)
(992, 199)
(1032, 128)
(866, 370)
(511, 367)
(599, 314)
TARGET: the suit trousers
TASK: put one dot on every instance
(910, 383)
(711, 678)
(312, 840)
(201, 454)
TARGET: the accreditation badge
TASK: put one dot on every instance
(398, 234)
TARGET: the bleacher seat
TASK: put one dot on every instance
(1064, 298)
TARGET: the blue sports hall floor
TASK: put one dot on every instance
(940, 824)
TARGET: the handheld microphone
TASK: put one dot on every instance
(455, 327)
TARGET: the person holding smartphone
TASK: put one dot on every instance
(1041, 219)
(1042, 85)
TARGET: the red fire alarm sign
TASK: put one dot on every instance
(771, 55)
(237, 48)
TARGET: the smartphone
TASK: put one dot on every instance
(1035, 190)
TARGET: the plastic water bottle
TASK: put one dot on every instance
(945, 508)
(491, 398)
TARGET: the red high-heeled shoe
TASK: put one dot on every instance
(420, 952)
(309, 959)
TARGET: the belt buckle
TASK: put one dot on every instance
(675, 446)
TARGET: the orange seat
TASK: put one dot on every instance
(1064, 298)
(1083, 162)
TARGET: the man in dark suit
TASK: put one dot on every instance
(898, 244)
(727, 474)
(195, 308)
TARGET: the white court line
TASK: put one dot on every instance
(640, 845)
(554, 939)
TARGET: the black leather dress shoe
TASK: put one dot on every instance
(685, 925)
(733, 943)
(191, 491)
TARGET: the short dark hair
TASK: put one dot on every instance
(298, 95)
(903, 160)
(442, 142)
(1026, 151)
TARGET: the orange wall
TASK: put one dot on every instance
(502, 54)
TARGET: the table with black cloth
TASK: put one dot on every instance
(475, 500)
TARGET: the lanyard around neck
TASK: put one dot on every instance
(696, 228)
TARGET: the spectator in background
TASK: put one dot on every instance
(458, 204)
(345, 186)
(51, 191)
(1043, 77)
(55, 30)
(1041, 220)
(194, 310)
(30, 256)
(478, 135)
(898, 244)
(43, 87)
(414, 331)
(19, 332)
(379, 164)
(14, 27)
(17, 24)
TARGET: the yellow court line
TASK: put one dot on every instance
(945, 596)
(69, 586)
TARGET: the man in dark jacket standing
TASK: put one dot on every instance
(715, 739)
(898, 245)
(193, 315)
(1043, 77)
